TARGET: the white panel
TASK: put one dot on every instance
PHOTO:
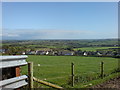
(11, 80)
(6, 57)
(15, 82)
(12, 61)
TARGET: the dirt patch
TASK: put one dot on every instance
(113, 83)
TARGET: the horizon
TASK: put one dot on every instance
(59, 20)
(59, 39)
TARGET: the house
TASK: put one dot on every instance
(23, 53)
(51, 53)
(85, 54)
(118, 55)
(79, 52)
(30, 52)
(2, 50)
(99, 54)
(66, 53)
(40, 52)
(47, 53)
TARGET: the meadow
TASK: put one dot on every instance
(93, 48)
(57, 69)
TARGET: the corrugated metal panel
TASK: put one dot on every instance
(15, 82)
(13, 57)
(12, 61)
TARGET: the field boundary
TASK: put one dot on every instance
(79, 76)
(99, 81)
(32, 78)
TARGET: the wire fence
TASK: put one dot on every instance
(73, 77)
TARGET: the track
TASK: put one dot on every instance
(113, 83)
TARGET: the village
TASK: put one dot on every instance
(107, 52)
(111, 52)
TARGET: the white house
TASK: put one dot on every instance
(85, 54)
(23, 53)
(99, 54)
(47, 53)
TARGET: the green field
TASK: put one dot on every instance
(93, 48)
(57, 69)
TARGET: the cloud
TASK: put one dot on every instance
(43, 33)
(22, 34)
(10, 35)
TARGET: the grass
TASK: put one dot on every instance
(93, 48)
(57, 69)
(96, 82)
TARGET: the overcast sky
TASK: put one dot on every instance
(62, 20)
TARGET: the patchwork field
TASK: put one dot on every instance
(57, 69)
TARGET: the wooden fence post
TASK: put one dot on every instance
(17, 73)
(102, 69)
(72, 73)
(30, 74)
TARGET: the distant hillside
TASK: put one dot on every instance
(63, 43)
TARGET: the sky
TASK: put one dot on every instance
(59, 20)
